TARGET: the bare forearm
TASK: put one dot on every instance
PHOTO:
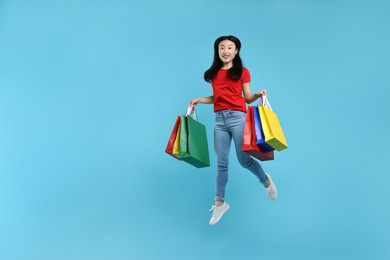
(248, 96)
(206, 100)
(202, 100)
(252, 97)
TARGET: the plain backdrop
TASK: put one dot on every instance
(89, 93)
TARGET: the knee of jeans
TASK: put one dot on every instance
(222, 166)
(246, 163)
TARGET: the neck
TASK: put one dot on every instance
(227, 65)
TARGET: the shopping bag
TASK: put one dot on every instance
(273, 132)
(260, 140)
(173, 144)
(197, 153)
(190, 142)
(183, 137)
(176, 144)
(249, 143)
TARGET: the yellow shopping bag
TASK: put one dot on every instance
(176, 144)
(273, 133)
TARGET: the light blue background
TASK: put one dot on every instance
(90, 90)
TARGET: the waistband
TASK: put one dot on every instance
(228, 111)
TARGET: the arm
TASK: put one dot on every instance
(202, 100)
(248, 96)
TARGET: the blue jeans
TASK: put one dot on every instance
(230, 124)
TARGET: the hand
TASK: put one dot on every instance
(261, 93)
(194, 102)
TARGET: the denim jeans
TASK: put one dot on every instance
(230, 124)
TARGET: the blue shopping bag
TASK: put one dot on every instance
(260, 140)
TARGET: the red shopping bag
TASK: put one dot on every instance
(172, 138)
(250, 144)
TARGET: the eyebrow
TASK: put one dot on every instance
(230, 44)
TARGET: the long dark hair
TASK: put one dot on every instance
(235, 72)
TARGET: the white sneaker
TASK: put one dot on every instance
(218, 212)
(271, 190)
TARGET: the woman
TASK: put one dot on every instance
(230, 82)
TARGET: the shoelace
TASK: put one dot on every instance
(212, 208)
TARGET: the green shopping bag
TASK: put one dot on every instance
(188, 141)
(193, 140)
(183, 138)
(197, 146)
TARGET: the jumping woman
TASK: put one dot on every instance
(230, 82)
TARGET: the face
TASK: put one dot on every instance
(227, 51)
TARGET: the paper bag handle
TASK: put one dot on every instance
(264, 102)
(191, 112)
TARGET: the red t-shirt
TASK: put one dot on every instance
(227, 92)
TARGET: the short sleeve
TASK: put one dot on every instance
(245, 77)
